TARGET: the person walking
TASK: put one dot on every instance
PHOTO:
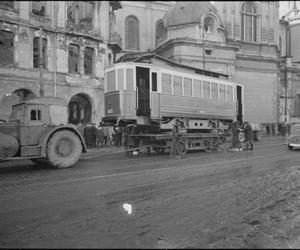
(288, 128)
(273, 128)
(112, 134)
(106, 135)
(248, 136)
(118, 136)
(99, 137)
(268, 129)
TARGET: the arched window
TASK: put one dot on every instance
(209, 26)
(160, 32)
(131, 33)
(249, 22)
(80, 109)
(297, 105)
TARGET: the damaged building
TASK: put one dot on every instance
(57, 48)
(237, 38)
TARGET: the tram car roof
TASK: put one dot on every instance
(149, 58)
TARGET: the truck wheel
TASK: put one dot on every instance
(257, 135)
(63, 149)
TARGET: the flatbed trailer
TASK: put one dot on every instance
(184, 141)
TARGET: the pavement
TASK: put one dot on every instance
(90, 154)
(94, 153)
(102, 151)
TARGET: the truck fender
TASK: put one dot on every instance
(45, 137)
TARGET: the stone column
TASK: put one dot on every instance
(81, 60)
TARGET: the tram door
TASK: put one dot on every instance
(143, 91)
(239, 103)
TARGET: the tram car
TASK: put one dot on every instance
(155, 97)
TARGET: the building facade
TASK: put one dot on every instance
(57, 48)
(238, 38)
(290, 63)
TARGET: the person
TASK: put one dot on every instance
(99, 136)
(279, 128)
(235, 138)
(273, 128)
(106, 135)
(248, 136)
(283, 129)
(288, 126)
(268, 129)
(93, 135)
(118, 135)
(111, 132)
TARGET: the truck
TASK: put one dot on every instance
(38, 130)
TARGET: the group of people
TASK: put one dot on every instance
(282, 128)
(108, 135)
(247, 129)
(101, 135)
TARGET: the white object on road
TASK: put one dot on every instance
(128, 208)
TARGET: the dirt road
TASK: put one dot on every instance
(206, 200)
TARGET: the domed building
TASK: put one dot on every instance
(196, 36)
(237, 38)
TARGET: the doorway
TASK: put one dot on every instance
(143, 91)
(239, 104)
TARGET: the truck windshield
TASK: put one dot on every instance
(17, 113)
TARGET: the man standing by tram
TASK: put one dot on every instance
(248, 135)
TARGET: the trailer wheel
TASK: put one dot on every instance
(208, 145)
(159, 149)
(64, 149)
(241, 136)
(257, 135)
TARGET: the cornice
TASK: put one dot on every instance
(195, 42)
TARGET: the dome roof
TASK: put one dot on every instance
(187, 12)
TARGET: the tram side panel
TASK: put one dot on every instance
(192, 107)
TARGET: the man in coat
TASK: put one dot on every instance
(248, 136)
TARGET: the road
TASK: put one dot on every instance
(246, 199)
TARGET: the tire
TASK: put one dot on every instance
(64, 149)
(208, 145)
(159, 149)
(241, 136)
(257, 135)
(290, 147)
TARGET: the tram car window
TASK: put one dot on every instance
(187, 87)
(177, 85)
(206, 90)
(166, 86)
(214, 91)
(222, 92)
(120, 79)
(197, 88)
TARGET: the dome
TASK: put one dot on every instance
(187, 12)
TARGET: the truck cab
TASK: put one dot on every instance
(32, 126)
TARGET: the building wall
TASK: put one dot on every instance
(295, 45)
(56, 78)
(252, 64)
(230, 12)
(148, 13)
